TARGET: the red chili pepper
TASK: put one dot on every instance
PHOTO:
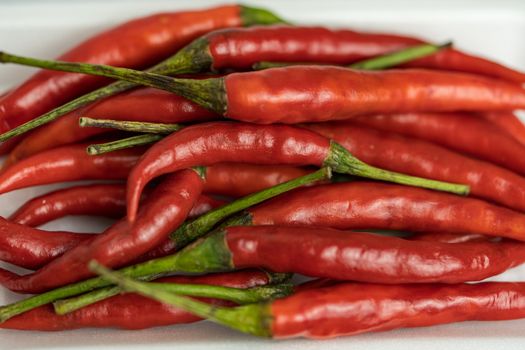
(420, 158)
(370, 205)
(316, 93)
(139, 43)
(99, 199)
(29, 247)
(465, 133)
(166, 209)
(509, 123)
(444, 237)
(41, 247)
(68, 163)
(131, 311)
(238, 179)
(240, 48)
(144, 104)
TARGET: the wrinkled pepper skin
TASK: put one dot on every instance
(462, 132)
(217, 142)
(366, 257)
(41, 247)
(99, 199)
(373, 205)
(298, 94)
(29, 247)
(420, 158)
(167, 207)
(138, 44)
(146, 104)
(240, 48)
(354, 308)
(131, 311)
(68, 163)
(508, 122)
(238, 179)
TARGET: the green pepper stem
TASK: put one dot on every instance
(252, 319)
(128, 125)
(400, 57)
(209, 93)
(343, 161)
(252, 15)
(190, 231)
(385, 61)
(129, 142)
(207, 255)
(237, 295)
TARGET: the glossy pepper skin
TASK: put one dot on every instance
(138, 44)
(143, 104)
(32, 249)
(240, 179)
(371, 205)
(313, 93)
(68, 163)
(462, 132)
(210, 143)
(366, 257)
(29, 247)
(354, 308)
(420, 158)
(240, 48)
(99, 199)
(131, 311)
(167, 207)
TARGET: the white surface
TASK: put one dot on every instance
(46, 28)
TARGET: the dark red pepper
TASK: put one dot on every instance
(167, 207)
(420, 158)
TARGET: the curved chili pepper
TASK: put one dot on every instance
(131, 311)
(461, 132)
(316, 93)
(139, 43)
(98, 199)
(29, 247)
(370, 205)
(68, 163)
(420, 158)
(167, 207)
(216, 142)
(32, 249)
(144, 104)
(508, 122)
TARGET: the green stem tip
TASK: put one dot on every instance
(131, 126)
(252, 319)
(129, 142)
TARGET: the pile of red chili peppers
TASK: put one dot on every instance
(277, 189)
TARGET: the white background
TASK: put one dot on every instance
(495, 29)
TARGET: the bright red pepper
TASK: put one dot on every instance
(68, 163)
(420, 158)
(167, 207)
(369, 205)
(144, 104)
(354, 308)
(462, 132)
(139, 43)
(131, 311)
(32, 249)
(216, 142)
